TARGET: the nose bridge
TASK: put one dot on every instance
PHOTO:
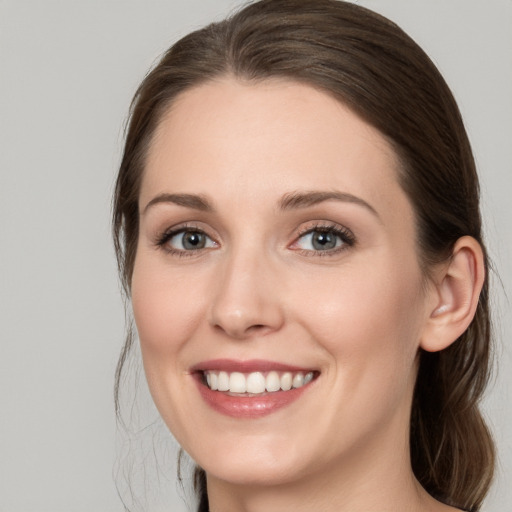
(245, 299)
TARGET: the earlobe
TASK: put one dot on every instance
(456, 293)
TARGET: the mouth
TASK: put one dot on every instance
(255, 383)
(251, 389)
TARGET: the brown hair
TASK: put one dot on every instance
(372, 66)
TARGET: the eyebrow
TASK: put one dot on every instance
(296, 200)
(196, 202)
(291, 201)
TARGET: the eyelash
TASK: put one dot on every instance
(163, 239)
(345, 235)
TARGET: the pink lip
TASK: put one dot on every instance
(252, 365)
(246, 406)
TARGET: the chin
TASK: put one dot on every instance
(244, 473)
(253, 464)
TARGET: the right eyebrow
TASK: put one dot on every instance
(196, 202)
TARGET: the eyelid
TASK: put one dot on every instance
(346, 236)
(163, 237)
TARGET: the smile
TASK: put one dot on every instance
(251, 389)
(256, 383)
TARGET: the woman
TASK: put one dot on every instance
(297, 225)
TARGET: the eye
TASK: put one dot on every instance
(185, 240)
(324, 239)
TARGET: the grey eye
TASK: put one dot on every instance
(320, 240)
(323, 241)
(190, 241)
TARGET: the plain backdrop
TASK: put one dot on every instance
(68, 70)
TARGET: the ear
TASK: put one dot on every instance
(455, 294)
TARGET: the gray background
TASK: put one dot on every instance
(68, 70)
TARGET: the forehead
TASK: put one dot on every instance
(243, 139)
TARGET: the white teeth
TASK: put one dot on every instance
(286, 381)
(273, 382)
(223, 382)
(298, 380)
(237, 383)
(213, 382)
(256, 382)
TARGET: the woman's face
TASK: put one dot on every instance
(276, 246)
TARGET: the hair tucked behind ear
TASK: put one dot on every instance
(372, 66)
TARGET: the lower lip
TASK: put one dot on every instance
(248, 406)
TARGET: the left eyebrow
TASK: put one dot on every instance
(296, 200)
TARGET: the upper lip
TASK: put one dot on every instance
(248, 366)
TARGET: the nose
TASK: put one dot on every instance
(246, 299)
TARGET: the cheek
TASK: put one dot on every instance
(362, 302)
(368, 321)
(166, 307)
(370, 331)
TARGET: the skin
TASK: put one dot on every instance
(260, 290)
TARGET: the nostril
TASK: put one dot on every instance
(257, 328)
(243, 331)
